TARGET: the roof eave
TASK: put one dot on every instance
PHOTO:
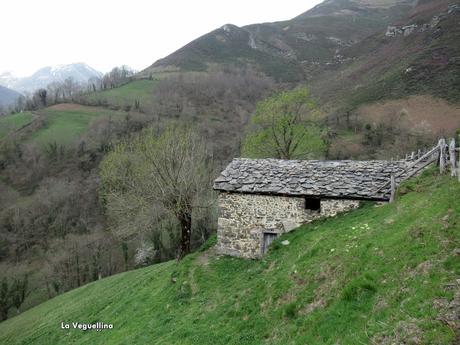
(301, 195)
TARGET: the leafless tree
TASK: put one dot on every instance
(172, 170)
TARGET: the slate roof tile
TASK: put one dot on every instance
(345, 179)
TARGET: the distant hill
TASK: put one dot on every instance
(80, 72)
(8, 96)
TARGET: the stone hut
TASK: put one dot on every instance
(259, 199)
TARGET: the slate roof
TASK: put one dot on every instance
(331, 179)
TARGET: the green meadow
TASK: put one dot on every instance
(64, 123)
(126, 95)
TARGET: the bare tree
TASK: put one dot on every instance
(69, 87)
(172, 170)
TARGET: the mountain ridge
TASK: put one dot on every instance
(80, 72)
(316, 35)
(338, 44)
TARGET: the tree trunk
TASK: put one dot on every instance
(185, 220)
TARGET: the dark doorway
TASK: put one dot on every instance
(269, 237)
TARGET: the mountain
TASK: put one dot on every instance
(7, 79)
(8, 96)
(383, 274)
(289, 50)
(415, 55)
(80, 72)
(348, 51)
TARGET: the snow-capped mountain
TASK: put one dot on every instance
(7, 79)
(80, 72)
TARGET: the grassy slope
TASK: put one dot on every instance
(353, 279)
(65, 122)
(13, 122)
(122, 96)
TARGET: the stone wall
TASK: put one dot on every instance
(243, 218)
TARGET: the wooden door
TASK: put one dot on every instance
(269, 237)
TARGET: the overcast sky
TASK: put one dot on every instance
(104, 34)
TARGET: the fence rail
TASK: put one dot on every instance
(446, 155)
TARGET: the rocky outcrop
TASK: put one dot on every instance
(406, 30)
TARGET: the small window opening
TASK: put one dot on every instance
(313, 204)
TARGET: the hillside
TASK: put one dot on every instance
(65, 123)
(125, 96)
(62, 124)
(289, 50)
(8, 96)
(365, 63)
(49, 161)
(218, 102)
(342, 43)
(395, 63)
(377, 275)
(14, 122)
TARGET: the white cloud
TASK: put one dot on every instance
(106, 33)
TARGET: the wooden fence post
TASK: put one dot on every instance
(452, 158)
(458, 164)
(392, 188)
(442, 155)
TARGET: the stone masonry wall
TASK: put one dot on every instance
(243, 218)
